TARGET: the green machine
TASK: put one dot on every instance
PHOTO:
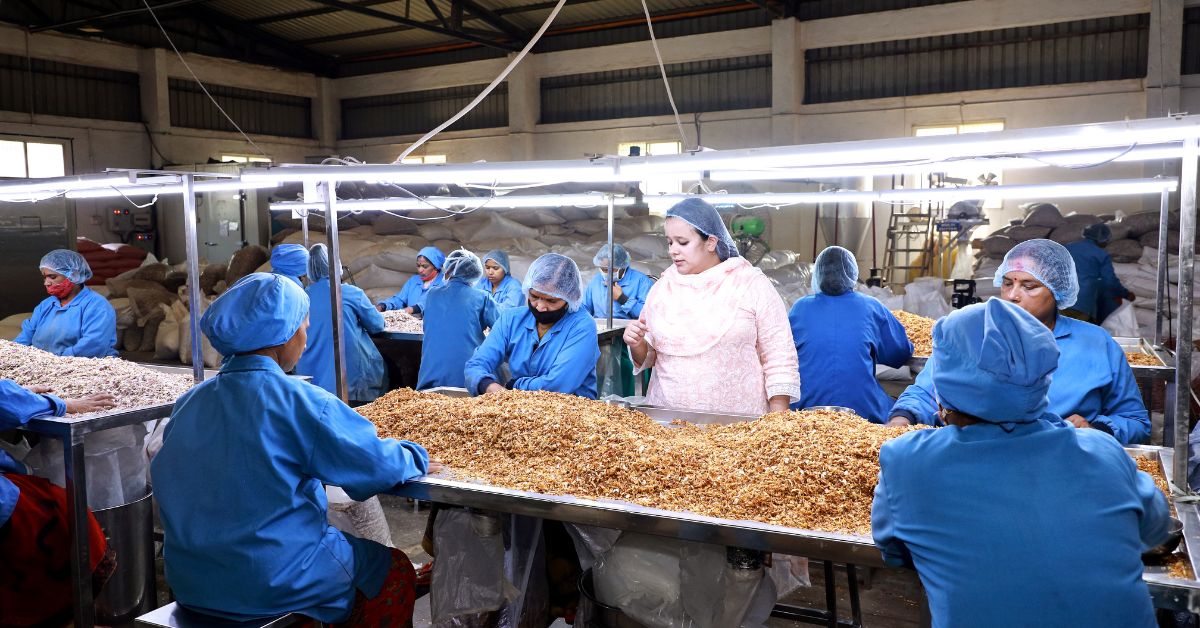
(748, 233)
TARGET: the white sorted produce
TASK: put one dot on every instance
(399, 321)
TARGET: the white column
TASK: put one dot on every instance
(326, 115)
(155, 96)
(524, 107)
(1164, 61)
(787, 81)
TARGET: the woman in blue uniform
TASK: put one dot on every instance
(74, 320)
(982, 508)
(291, 261)
(629, 290)
(498, 281)
(549, 345)
(35, 583)
(840, 336)
(411, 297)
(366, 377)
(1094, 386)
(456, 313)
(240, 478)
(1098, 283)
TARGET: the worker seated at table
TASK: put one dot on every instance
(74, 320)
(1010, 516)
(1094, 386)
(840, 336)
(366, 377)
(240, 478)
(35, 547)
(1098, 282)
(456, 313)
(291, 261)
(498, 281)
(411, 297)
(629, 289)
(548, 345)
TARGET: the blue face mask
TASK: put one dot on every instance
(618, 274)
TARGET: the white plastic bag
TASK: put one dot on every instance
(364, 519)
(1122, 323)
(641, 576)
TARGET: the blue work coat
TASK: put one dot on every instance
(1093, 380)
(240, 486)
(17, 407)
(839, 340)
(1097, 280)
(455, 316)
(507, 294)
(366, 376)
(85, 328)
(1040, 526)
(564, 360)
(635, 285)
(412, 294)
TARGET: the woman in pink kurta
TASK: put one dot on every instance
(714, 329)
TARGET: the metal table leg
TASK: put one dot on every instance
(77, 525)
(1169, 414)
(830, 594)
(855, 604)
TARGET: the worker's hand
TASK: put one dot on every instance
(92, 403)
(493, 388)
(408, 310)
(778, 403)
(616, 291)
(1129, 296)
(435, 466)
(380, 307)
(38, 389)
(899, 421)
(1078, 421)
(635, 333)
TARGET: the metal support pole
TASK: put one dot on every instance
(1161, 305)
(335, 291)
(193, 280)
(1183, 338)
(77, 525)
(304, 228)
(610, 261)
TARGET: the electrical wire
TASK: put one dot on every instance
(487, 90)
(1119, 155)
(663, 70)
(150, 10)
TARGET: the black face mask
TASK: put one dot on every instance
(547, 318)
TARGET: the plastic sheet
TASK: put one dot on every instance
(468, 575)
(364, 519)
(115, 462)
(1122, 323)
(641, 576)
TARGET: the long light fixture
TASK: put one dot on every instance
(600, 170)
(1041, 191)
(468, 202)
(57, 185)
(223, 185)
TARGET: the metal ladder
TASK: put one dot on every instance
(910, 242)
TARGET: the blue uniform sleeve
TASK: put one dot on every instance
(918, 402)
(587, 302)
(1108, 277)
(486, 361)
(576, 359)
(894, 348)
(883, 522)
(29, 326)
(1155, 520)
(489, 314)
(402, 299)
(18, 405)
(511, 294)
(1121, 409)
(98, 331)
(636, 296)
(346, 451)
(368, 317)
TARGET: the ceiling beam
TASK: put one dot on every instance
(104, 17)
(495, 21)
(766, 6)
(296, 15)
(346, 6)
(437, 13)
(39, 15)
(312, 61)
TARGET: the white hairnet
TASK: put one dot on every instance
(705, 219)
(67, 263)
(557, 276)
(1048, 262)
(462, 264)
(835, 271)
(619, 257)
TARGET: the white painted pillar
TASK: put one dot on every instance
(326, 116)
(787, 81)
(1165, 57)
(524, 107)
(155, 95)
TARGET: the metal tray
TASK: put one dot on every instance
(63, 426)
(1140, 345)
(1174, 593)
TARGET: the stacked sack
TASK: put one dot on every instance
(1141, 278)
(108, 260)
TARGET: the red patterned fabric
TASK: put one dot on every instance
(394, 604)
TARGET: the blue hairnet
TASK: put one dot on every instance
(434, 255)
(500, 257)
(619, 257)
(67, 263)
(994, 362)
(1098, 233)
(289, 260)
(462, 264)
(835, 271)
(705, 219)
(557, 276)
(318, 262)
(259, 310)
(1049, 262)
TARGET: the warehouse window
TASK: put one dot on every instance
(658, 185)
(426, 159)
(970, 175)
(20, 159)
(257, 112)
(411, 113)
